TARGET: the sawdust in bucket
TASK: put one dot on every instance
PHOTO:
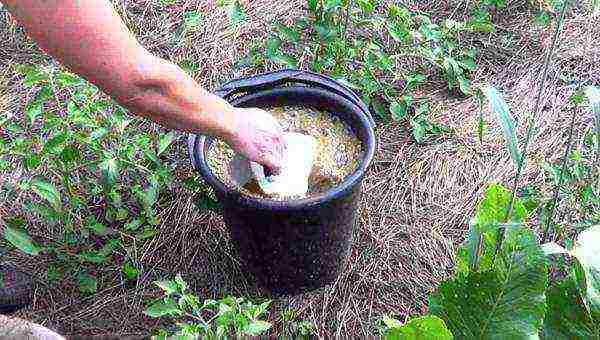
(338, 151)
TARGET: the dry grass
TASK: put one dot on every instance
(417, 199)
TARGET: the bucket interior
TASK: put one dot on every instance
(316, 99)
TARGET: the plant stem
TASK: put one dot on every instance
(560, 178)
(348, 6)
(532, 119)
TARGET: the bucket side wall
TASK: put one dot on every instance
(289, 252)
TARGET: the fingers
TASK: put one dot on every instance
(274, 157)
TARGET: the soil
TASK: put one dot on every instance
(337, 157)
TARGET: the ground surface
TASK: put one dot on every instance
(417, 200)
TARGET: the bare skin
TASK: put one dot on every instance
(89, 38)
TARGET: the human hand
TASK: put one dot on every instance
(257, 135)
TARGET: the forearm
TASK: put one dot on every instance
(164, 93)
(89, 38)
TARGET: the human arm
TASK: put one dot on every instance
(91, 40)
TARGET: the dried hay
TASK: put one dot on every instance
(417, 199)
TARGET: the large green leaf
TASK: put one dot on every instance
(505, 302)
(587, 253)
(479, 248)
(500, 108)
(567, 318)
(423, 328)
(19, 238)
(587, 268)
(495, 304)
(48, 192)
(130, 272)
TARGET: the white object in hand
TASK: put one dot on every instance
(298, 160)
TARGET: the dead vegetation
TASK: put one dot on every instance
(416, 199)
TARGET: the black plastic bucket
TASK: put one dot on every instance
(292, 246)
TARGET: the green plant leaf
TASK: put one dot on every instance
(32, 161)
(505, 302)
(367, 6)
(331, 4)
(164, 142)
(500, 108)
(587, 253)
(161, 308)
(189, 66)
(87, 283)
(98, 134)
(168, 286)
(180, 282)
(33, 74)
(272, 47)
(285, 60)
(379, 109)
(391, 322)
(129, 271)
(65, 79)
(192, 20)
(478, 251)
(92, 257)
(54, 143)
(566, 317)
(33, 110)
(464, 84)
(21, 240)
(148, 232)
(398, 32)
(237, 14)
(70, 154)
(324, 31)
(414, 79)
(96, 227)
(133, 224)
(312, 5)
(257, 327)
(427, 327)
(419, 126)
(398, 110)
(204, 202)
(48, 192)
(109, 173)
(288, 33)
